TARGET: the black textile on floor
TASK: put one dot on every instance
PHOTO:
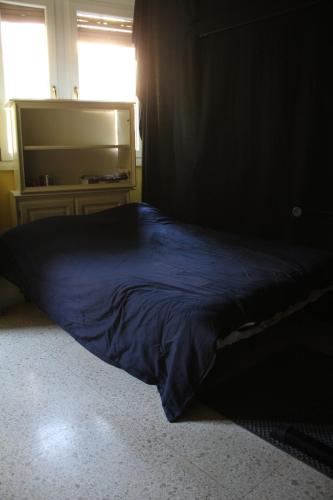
(293, 388)
(152, 296)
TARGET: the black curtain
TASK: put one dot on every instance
(236, 113)
(167, 79)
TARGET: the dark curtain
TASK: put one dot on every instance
(167, 80)
(236, 103)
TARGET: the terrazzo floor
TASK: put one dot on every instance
(73, 427)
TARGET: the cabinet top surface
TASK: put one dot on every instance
(68, 103)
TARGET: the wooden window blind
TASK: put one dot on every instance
(21, 14)
(104, 29)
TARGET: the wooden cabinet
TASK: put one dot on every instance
(85, 205)
(30, 207)
(73, 157)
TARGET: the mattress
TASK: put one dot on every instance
(153, 296)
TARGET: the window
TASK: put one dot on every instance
(25, 70)
(106, 58)
(66, 49)
(24, 52)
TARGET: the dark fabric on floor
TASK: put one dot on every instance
(290, 388)
(152, 296)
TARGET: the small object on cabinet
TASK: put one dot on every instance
(46, 180)
(96, 179)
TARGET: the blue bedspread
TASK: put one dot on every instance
(152, 296)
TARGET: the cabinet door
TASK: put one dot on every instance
(31, 210)
(96, 202)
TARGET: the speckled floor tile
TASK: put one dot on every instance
(62, 439)
(25, 323)
(39, 397)
(294, 480)
(237, 459)
(74, 427)
(103, 457)
(127, 392)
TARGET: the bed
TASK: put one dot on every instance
(156, 297)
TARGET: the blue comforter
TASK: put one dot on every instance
(152, 296)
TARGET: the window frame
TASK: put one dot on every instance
(72, 7)
(60, 21)
(48, 6)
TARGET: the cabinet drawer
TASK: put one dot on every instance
(28, 208)
(92, 203)
(31, 210)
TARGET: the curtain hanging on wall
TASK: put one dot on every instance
(236, 111)
(166, 88)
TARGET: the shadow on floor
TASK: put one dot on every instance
(293, 387)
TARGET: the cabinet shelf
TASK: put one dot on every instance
(60, 147)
